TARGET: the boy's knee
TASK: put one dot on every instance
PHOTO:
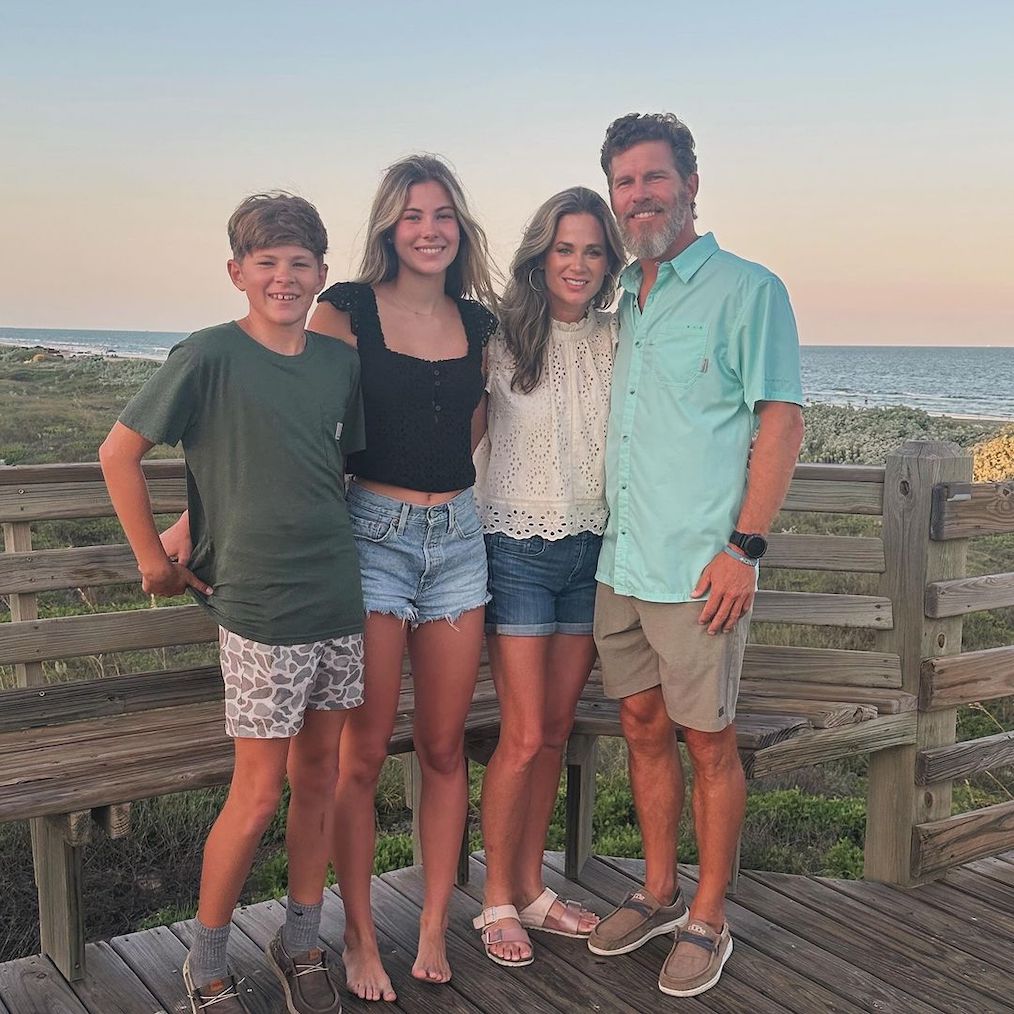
(442, 759)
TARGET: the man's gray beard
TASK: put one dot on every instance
(652, 247)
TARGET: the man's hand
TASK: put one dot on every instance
(733, 586)
(176, 541)
(173, 579)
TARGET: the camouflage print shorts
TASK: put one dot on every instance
(270, 687)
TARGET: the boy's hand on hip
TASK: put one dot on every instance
(173, 579)
(733, 586)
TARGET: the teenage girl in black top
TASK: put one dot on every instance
(419, 538)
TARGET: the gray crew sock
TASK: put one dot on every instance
(302, 923)
(207, 953)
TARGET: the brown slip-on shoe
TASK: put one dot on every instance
(310, 986)
(639, 918)
(219, 997)
(696, 960)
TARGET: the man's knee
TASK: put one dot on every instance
(645, 722)
(713, 754)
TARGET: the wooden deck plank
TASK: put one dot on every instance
(261, 989)
(788, 972)
(549, 986)
(34, 986)
(156, 958)
(413, 996)
(918, 914)
(888, 959)
(973, 973)
(732, 994)
(639, 987)
(996, 868)
(111, 985)
(971, 909)
(813, 961)
(977, 885)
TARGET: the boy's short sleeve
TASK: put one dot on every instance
(353, 436)
(764, 349)
(163, 409)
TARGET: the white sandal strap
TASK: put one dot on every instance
(539, 909)
(494, 914)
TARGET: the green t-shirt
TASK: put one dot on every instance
(264, 436)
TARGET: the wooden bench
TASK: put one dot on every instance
(78, 752)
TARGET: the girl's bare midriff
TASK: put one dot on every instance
(412, 496)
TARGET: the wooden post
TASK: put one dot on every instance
(894, 802)
(413, 794)
(580, 809)
(57, 863)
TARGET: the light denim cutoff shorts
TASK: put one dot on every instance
(419, 563)
(541, 586)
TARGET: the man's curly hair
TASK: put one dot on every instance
(634, 128)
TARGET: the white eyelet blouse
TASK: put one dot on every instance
(546, 469)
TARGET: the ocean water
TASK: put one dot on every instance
(941, 381)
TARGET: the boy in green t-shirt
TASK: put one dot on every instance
(266, 412)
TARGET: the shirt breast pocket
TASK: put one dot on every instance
(681, 355)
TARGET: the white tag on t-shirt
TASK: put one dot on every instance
(338, 431)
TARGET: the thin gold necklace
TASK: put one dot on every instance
(387, 297)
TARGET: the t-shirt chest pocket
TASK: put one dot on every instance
(680, 354)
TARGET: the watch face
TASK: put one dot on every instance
(755, 546)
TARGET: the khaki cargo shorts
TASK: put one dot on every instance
(661, 644)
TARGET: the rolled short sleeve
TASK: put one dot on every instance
(353, 436)
(165, 407)
(764, 350)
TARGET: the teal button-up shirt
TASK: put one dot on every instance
(716, 336)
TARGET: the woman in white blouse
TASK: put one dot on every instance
(542, 504)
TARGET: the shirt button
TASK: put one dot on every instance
(637, 345)
(436, 408)
(623, 531)
(624, 486)
(632, 390)
(625, 437)
(436, 371)
(436, 383)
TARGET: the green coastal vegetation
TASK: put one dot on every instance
(59, 409)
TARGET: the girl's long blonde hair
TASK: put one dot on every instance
(469, 274)
(525, 320)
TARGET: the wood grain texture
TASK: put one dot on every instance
(964, 509)
(950, 681)
(83, 471)
(57, 703)
(961, 760)
(894, 803)
(34, 986)
(939, 844)
(834, 497)
(822, 665)
(96, 633)
(820, 714)
(969, 594)
(817, 746)
(54, 569)
(64, 500)
(821, 552)
(887, 702)
(823, 609)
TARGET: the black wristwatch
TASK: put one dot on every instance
(754, 546)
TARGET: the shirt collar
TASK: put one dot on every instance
(686, 263)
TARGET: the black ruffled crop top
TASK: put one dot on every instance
(418, 411)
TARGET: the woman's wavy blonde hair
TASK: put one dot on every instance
(525, 320)
(469, 274)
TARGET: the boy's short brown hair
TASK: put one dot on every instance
(276, 218)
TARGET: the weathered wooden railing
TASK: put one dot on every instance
(79, 752)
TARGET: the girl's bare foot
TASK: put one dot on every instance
(431, 961)
(364, 973)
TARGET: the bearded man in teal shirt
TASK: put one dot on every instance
(708, 359)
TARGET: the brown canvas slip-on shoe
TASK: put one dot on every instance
(310, 986)
(639, 918)
(696, 960)
(219, 997)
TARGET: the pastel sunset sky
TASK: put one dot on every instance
(864, 152)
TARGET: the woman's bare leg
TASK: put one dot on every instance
(445, 662)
